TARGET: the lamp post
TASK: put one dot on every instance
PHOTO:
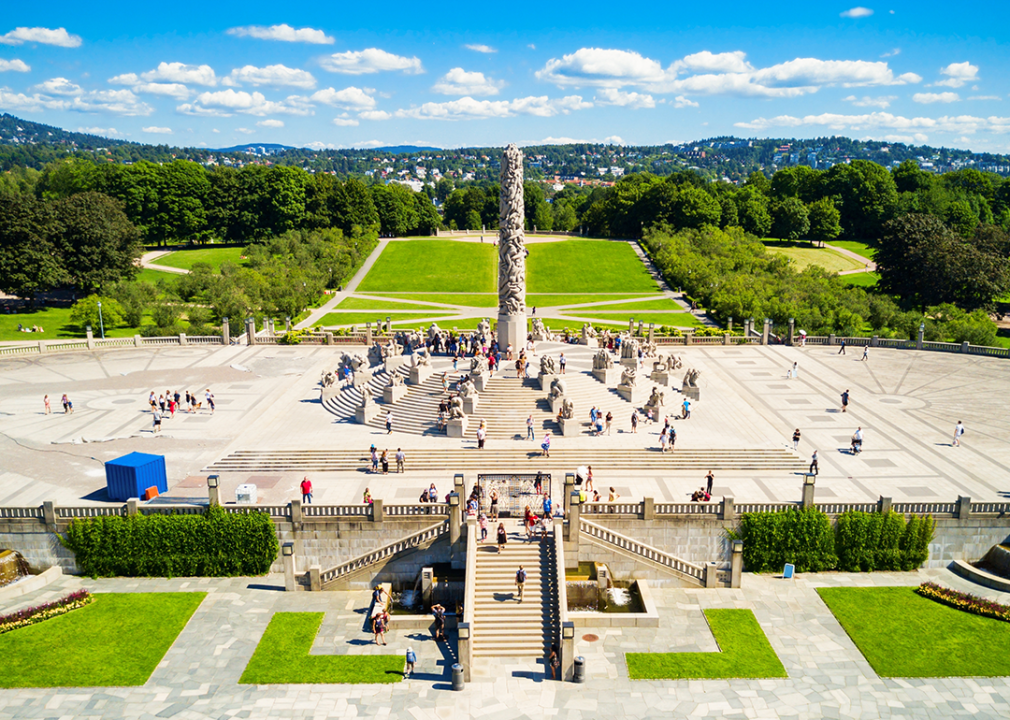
(101, 324)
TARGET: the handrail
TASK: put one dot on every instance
(362, 510)
(7, 513)
(559, 573)
(696, 572)
(381, 553)
(470, 589)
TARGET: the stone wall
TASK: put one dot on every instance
(968, 539)
(39, 547)
(626, 566)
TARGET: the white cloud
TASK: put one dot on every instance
(14, 65)
(284, 33)
(245, 131)
(928, 98)
(271, 123)
(118, 102)
(614, 140)
(811, 72)
(985, 97)
(883, 102)
(620, 98)
(959, 124)
(374, 115)
(125, 79)
(732, 62)
(958, 74)
(370, 60)
(353, 98)
(856, 12)
(15, 102)
(601, 67)
(177, 91)
(223, 103)
(155, 130)
(345, 122)
(44, 36)
(892, 53)
(59, 86)
(469, 109)
(487, 49)
(107, 132)
(460, 82)
(177, 72)
(682, 102)
(272, 75)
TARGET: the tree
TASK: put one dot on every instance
(443, 189)
(284, 202)
(97, 243)
(565, 218)
(824, 220)
(29, 261)
(679, 205)
(538, 212)
(752, 210)
(790, 220)
(86, 312)
(909, 177)
(796, 182)
(867, 195)
(396, 208)
(135, 298)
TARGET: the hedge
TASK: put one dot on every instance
(859, 542)
(213, 544)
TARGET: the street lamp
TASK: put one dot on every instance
(101, 324)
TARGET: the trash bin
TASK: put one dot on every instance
(457, 677)
(580, 670)
(245, 494)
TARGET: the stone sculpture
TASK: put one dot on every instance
(558, 388)
(691, 378)
(434, 331)
(467, 389)
(588, 331)
(353, 362)
(538, 327)
(602, 361)
(421, 357)
(327, 379)
(511, 251)
(478, 365)
(547, 365)
(484, 329)
(395, 380)
(456, 408)
(656, 399)
(567, 409)
(629, 348)
(379, 353)
(629, 377)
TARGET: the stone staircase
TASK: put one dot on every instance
(503, 627)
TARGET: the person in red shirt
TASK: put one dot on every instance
(306, 490)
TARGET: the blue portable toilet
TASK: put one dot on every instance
(129, 476)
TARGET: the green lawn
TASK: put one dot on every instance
(902, 634)
(675, 319)
(155, 276)
(360, 318)
(860, 248)
(803, 255)
(586, 266)
(435, 266)
(663, 304)
(863, 279)
(553, 300)
(468, 299)
(282, 657)
(56, 325)
(119, 639)
(354, 303)
(746, 653)
(216, 257)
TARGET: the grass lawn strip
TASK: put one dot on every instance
(466, 299)
(118, 639)
(337, 319)
(863, 279)
(586, 266)
(859, 248)
(155, 276)
(434, 266)
(904, 635)
(745, 653)
(663, 304)
(358, 303)
(803, 255)
(282, 657)
(215, 257)
(672, 319)
(539, 300)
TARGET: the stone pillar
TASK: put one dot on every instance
(725, 339)
(922, 332)
(49, 515)
(287, 323)
(90, 337)
(831, 339)
(454, 519)
(809, 480)
(728, 509)
(963, 507)
(328, 338)
(378, 511)
(388, 327)
(875, 341)
(42, 346)
(573, 528)
(765, 331)
(427, 582)
(368, 334)
(315, 583)
(711, 575)
(182, 339)
(964, 347)
(884, 505)
(137, 341)
(792, 330)
(288, 558)
(729, 324)
(459, 484)
(214, 489)
(132, 506)
(602, 577)
(511, 252)
(567, 651)
(250, 331)
(225, 332)
(648, 508)
(652, 332)
(631, 326)
(463, 648)
(569, 487)
(736, 564)
(641, 326)
(295, 509)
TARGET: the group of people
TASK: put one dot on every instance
(32, 329)
(68, 405)
(168, 403)
(382, 460)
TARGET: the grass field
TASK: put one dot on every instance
(663, 304)
(433, 266)
(354, 303)
(216, 257)
(556, 299)
(864, 279)
(282, 657)
(746, 653)
(675, 319)
(803, 255)
(902, 634)
(468, 299)
(586, 266)
(860, 248)
(119, 639)
(55, 322)
(360, 318)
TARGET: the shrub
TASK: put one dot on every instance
(85, 312)
(213, 544)
(801, 537)
(963, 601)
(40, 613)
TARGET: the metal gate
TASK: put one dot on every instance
(514, 492)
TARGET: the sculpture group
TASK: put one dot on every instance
(511, 251)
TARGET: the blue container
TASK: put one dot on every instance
(129, 476)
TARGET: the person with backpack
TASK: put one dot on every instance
(411, 659)
(958, 432)
(520, 581)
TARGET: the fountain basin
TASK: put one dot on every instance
(628, 604)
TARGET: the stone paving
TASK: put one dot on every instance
(827, 675)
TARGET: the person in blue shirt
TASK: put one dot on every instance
(548, 505)
(411, 659)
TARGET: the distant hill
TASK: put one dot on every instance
(15, 131)
(258, 148)
(397, 149)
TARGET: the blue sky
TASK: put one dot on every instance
(457, 74)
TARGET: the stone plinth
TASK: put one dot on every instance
(663, 378)
(631, 362)
(540, 337)
(456, 427)
(512, 329)
(393, 393)
(394, 363)
(546, 380)
(420, 373)
(480, 382)
(556, 403)
(633, 394)
(364, 414)
(572, 423)
(470, 404)
(607, 376)
(693, 393)
(590, 341)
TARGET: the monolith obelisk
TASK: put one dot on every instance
(511, 253)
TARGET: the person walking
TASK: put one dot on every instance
(481, 435)
(384, 459)
(375, 459)
(482, 522)
(494, 505)
(379, 628)
(709, 479)
(857, 441)
(411, 660)
(562, 363)
(209, 397)
(45, 401)
(554, 660)
(389, 423)
(400, 459)
(958, 432)
(841, 350)
(530, 434)
(65, 401)
(672, 439)
(439, 612)
(520, 581)
(609, 419)
(634, 421)
(813, 463)
(796, 370)
(156, 416)
(796, 438)
(546, 445)
(687, 410)
(845, 400)
(445, 382)
(306, 490)
(866, 352)
(502, 537)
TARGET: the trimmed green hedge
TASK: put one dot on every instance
(859, 542)
(213, 544)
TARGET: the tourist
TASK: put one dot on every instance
(45, 401)
(445, 382)
(529, 519)
(401, 457)
(841, 350)
(377, 598)
(609, 420)
(589, 477)
(384, 459)
(494, 505)
(548, 505)
(796, 370)
(662, 440)
(613, 495)
(538, 484)
(599, 423)
(151, 399)
(592, 416)
(672, 439)
(845, 401)
(70, 406)
(857, 441)
(958, 432)
(796, 439)
(481, 435)
(546, 445)
(432, 494)
(439, 612)
(520, 581)
(530, 434)
(554, 661)
(813, 463)
(502, 536)
(366, 497)
(379, 628)
(411, 660)
(307, 490)
(161, 403)
(209, 397)
(866, 351)
(709, 479)
(687, 410)
(482, 522)
(634, 421)
(375, 459)
(156, 415)
(389, 422)
(562, 363)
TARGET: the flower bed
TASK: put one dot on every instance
(41, 613)
(964, 601)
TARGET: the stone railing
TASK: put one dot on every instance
(690, 570)
(330, 511)
(566, 647)
(689, 508)
(18, 513)
(52, 346)
(382, 553)
(411, 510)
(465, 630)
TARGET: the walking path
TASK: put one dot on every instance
(870, 266)
(147, 261)
(316, 315)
